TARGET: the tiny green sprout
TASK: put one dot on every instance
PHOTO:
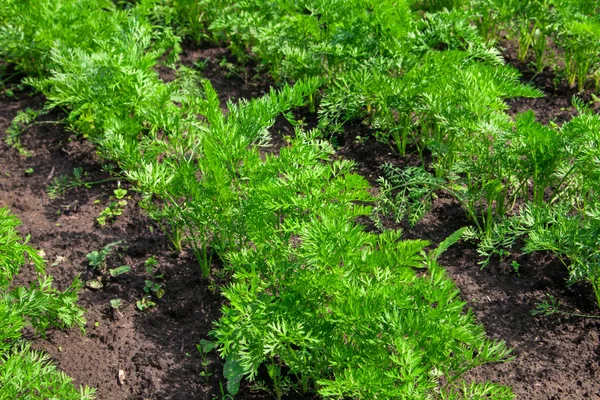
(115, 304)
(97, 324)
(63, 183)
(360, 139)
(123, 269)
(155, 288)
(502, 253)
(551, 306)
(212, 286)
(515, 265)
(201, 64)
(29, 171)
(150, 264)
(97, 258)
(120, 193)
(145, 303)
(115, 208)
(205, 347)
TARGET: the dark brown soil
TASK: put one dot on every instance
(557, 357)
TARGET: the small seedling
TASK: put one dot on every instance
(205, 347)
(502, 253)
(551, 306)
(97, 258)
(201, 64)
(212, 286)
(123, 269)
(145, 303)
(29, 171)
(154, 288)
(115, 304)
(515, 265)
(151, 264)
(151, 287)
(24, 120)
(115, 207)
(231, 69)
(63, 183)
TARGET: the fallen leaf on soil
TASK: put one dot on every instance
(94, 284)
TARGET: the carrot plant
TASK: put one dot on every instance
(27, 373)
(561, 214)
(581, 40)
(571, 26)
(29, 48)
(380, 62)
(322, 303)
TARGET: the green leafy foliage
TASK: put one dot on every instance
(322, 304)
(25, 373)
(562, 213)
(581, 40)
(115, 208)
(29, 47)
(97, 258)
(571, 25)
(380, 66)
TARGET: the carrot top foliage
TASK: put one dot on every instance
(320, 303)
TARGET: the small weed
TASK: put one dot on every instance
(63, 183)
(201, 64)
(145, 303)
(205, 347)
(151, 286)
(98, 260)
(551, 306)
(115, 304)
(115, 207)
(21, 123)
(233, 69)
(515, 265)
